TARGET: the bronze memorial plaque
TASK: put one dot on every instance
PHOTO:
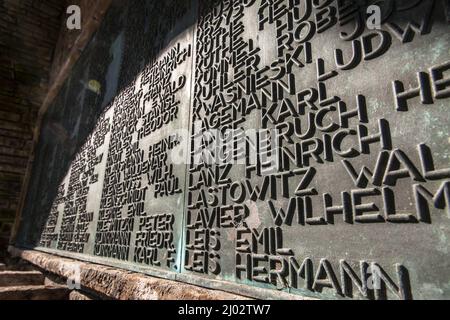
(300, 146)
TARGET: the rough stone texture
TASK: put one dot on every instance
(20, 278)
(34, 293)
(119, 284)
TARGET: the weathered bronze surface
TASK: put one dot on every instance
(288, 144)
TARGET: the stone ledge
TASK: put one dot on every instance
(120, 284)
(21, 278)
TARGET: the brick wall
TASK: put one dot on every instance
(29, 31)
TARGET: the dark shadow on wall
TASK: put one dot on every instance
(130, 37)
